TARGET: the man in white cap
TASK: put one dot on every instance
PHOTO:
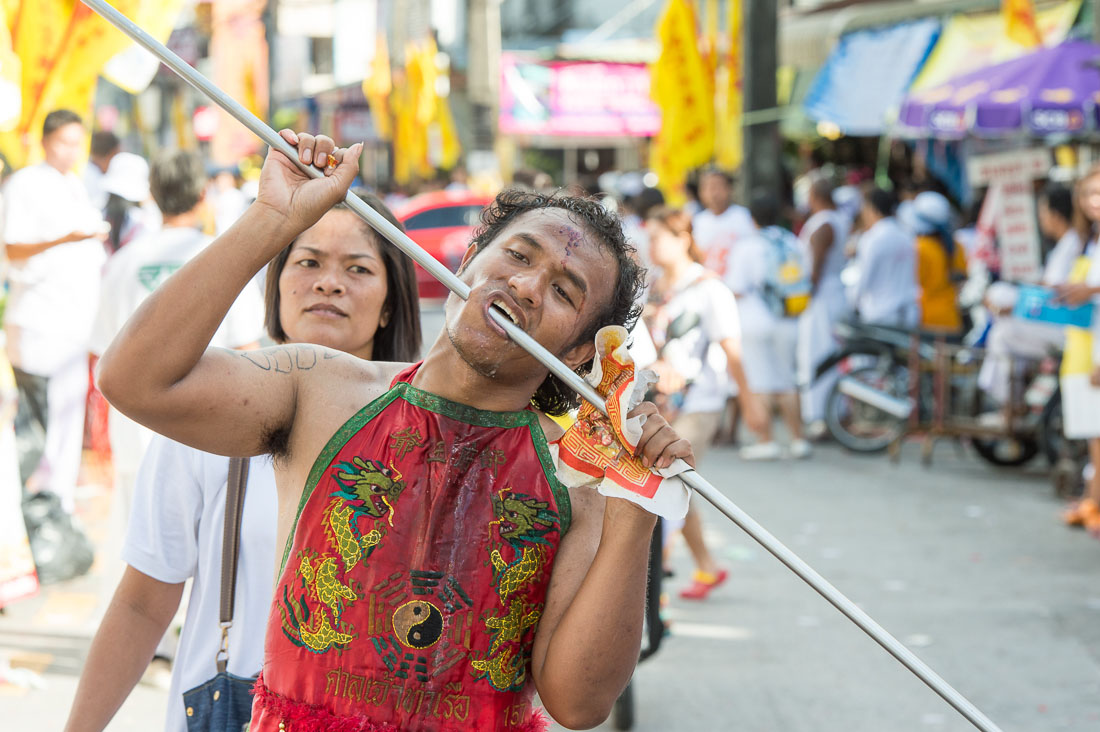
(53, 240)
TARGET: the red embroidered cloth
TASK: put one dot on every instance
(416, 573)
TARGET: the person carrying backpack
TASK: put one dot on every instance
(767, 273)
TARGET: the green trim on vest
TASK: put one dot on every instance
(438, 405)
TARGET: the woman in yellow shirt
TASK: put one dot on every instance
(941, 263)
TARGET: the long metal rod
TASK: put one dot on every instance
(699, 484)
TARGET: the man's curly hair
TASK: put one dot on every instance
(553, 397)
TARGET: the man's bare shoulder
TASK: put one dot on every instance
(332, 387)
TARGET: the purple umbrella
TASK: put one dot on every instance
(1053, 91)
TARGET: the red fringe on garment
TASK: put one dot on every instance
(303, 717)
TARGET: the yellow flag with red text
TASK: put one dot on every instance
(681, 86)
(1020, 23)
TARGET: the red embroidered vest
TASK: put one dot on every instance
(416, 573)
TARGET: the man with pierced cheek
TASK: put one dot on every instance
(436, 573)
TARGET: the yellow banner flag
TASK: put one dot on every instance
(377, 87)
(450, 149)
(729, 140)
(62, 46)
(1020, 23)
(424, 135)
(410, 137)
(681, 85)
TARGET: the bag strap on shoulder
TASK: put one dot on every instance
(231, 546)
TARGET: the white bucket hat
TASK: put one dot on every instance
(128, 177)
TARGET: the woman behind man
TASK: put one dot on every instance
(338, 285)
(694, 323)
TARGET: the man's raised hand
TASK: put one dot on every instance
(299, 198)
(659, 445)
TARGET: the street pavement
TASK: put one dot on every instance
(967, 565)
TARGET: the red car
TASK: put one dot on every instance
(442, 222)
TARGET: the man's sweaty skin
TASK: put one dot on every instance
(159, 372)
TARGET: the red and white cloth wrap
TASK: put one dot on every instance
(598, 451)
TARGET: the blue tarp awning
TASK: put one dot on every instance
(866, 76)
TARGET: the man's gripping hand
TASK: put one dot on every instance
(659, 444)
(298, 198)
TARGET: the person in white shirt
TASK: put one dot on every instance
(886, 257)
(721, 223)
(53, 239)
(694, 324)
(105, 145)
(769, 339)
(177, 180)
(1012, 338)
(823, 236)
(338, 285)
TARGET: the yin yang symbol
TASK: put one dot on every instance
(418, 624)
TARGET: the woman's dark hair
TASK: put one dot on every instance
(882, 201)
(1059, 199)
(399, 339)
(679, 223)
(117, 212)
(553, 397)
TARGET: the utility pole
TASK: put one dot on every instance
(483, 69)
(761, 167)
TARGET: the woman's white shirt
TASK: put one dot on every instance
(175, 534)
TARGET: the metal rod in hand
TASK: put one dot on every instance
(551, 362)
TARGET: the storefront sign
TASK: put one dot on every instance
(584, 98)
(1010, 206)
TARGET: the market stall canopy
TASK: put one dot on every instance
(1053, 91)
(867, 75)
(972, 42)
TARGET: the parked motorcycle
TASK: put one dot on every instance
(893, 382)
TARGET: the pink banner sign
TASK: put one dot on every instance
(581, 98)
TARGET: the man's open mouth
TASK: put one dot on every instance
(509, 311)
